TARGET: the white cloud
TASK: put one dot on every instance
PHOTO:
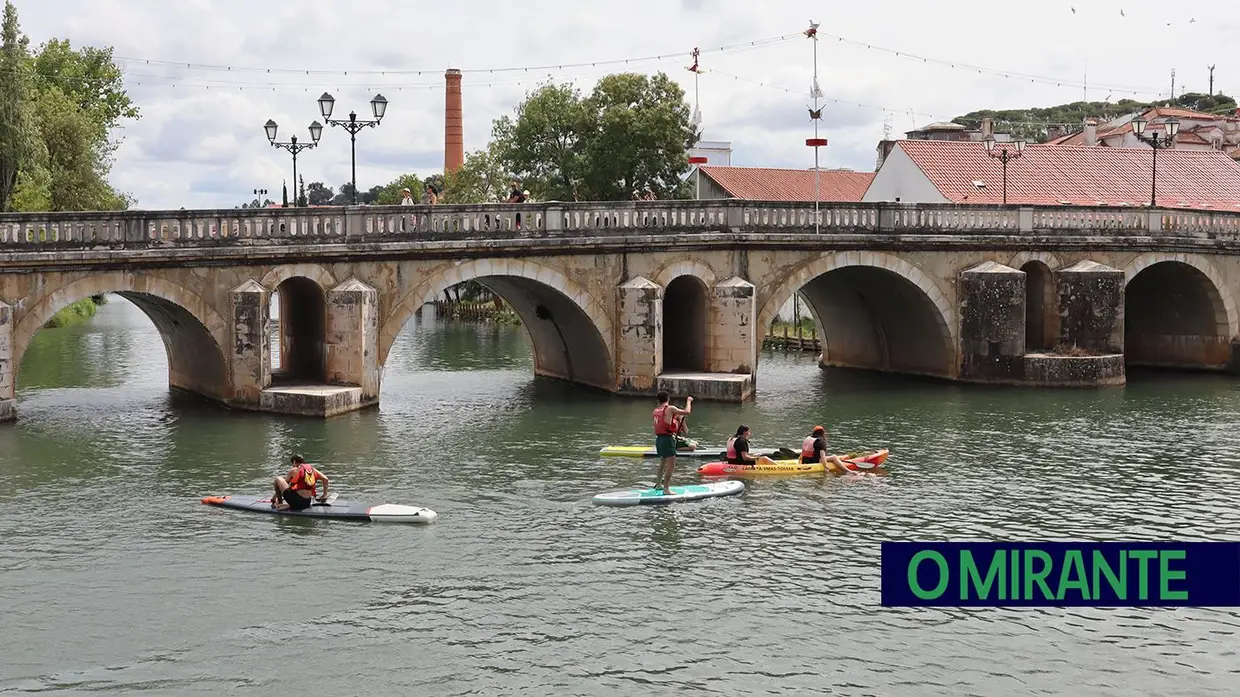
(200, 141)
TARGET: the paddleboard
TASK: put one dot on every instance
(691, 492)
(334, 509)
(701, 451)
(862, 463)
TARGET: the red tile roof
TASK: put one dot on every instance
(767, 184)
(1079, 175)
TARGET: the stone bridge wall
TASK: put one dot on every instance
(931, 289)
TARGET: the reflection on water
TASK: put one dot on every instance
(117, 580)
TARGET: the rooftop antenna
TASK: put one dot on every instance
(815, 115)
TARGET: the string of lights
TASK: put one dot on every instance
(959, 65)
(737, 47)
(132, 69)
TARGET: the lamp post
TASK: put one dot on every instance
(378, 106)
(1172, 126)
(1003, 156)
(316, 130)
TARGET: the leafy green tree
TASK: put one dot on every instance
(480, 179)
(631, 133)
(637, 136)
(542, 145)
(318, 194)
(89, 78)
(389, 194)
(16, 123)
(301, 191)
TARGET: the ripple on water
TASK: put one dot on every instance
(117, 580)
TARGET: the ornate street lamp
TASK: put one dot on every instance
(1003, 155)
(316, 130)
(1172, 127)
(378, 106)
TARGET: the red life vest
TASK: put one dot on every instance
(731, 454)
(807, 449)
(662, 427)
(304, 479)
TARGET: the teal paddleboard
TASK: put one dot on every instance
(691, 492)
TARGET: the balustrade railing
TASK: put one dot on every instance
(328, 225)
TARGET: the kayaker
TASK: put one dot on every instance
(814, 449)
(665, 429)
(738, 450)
(297, 490)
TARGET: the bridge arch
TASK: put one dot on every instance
(1178, 312)
(314, 272)
(876, 310)
(192, 331)
(688, 267)
(569, 328)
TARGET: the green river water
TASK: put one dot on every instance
(114, 579)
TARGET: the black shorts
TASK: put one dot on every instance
(296, 501)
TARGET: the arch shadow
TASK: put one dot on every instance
(191, 331)
(569, 332)
(875, 313)
(1175, 317)
(686, 319)
(1041, 316)
(302, 330)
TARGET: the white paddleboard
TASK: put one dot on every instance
(690, 492)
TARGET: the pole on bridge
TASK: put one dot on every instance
(815, 115)
(695, 121)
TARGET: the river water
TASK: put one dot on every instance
(115, 579)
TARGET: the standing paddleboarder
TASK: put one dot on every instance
(667, 420)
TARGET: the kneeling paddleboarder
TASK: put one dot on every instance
(297, 491)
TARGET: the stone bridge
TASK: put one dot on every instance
(635, 297)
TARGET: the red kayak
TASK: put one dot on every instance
(861, 463)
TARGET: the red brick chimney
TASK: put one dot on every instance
(453, 129)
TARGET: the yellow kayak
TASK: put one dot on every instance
(860, 464)
(701, 451)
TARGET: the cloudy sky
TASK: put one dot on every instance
(207, 74)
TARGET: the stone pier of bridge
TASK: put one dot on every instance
(638, 297)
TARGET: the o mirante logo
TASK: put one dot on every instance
(1111, 574)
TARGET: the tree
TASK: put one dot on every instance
(16, 132)
(389, 195)
(58, 108)
(89, 78)
(301, 188)
(480, 179)
(632, 132)
(639, 136)
(317, 194)
(542, 145)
